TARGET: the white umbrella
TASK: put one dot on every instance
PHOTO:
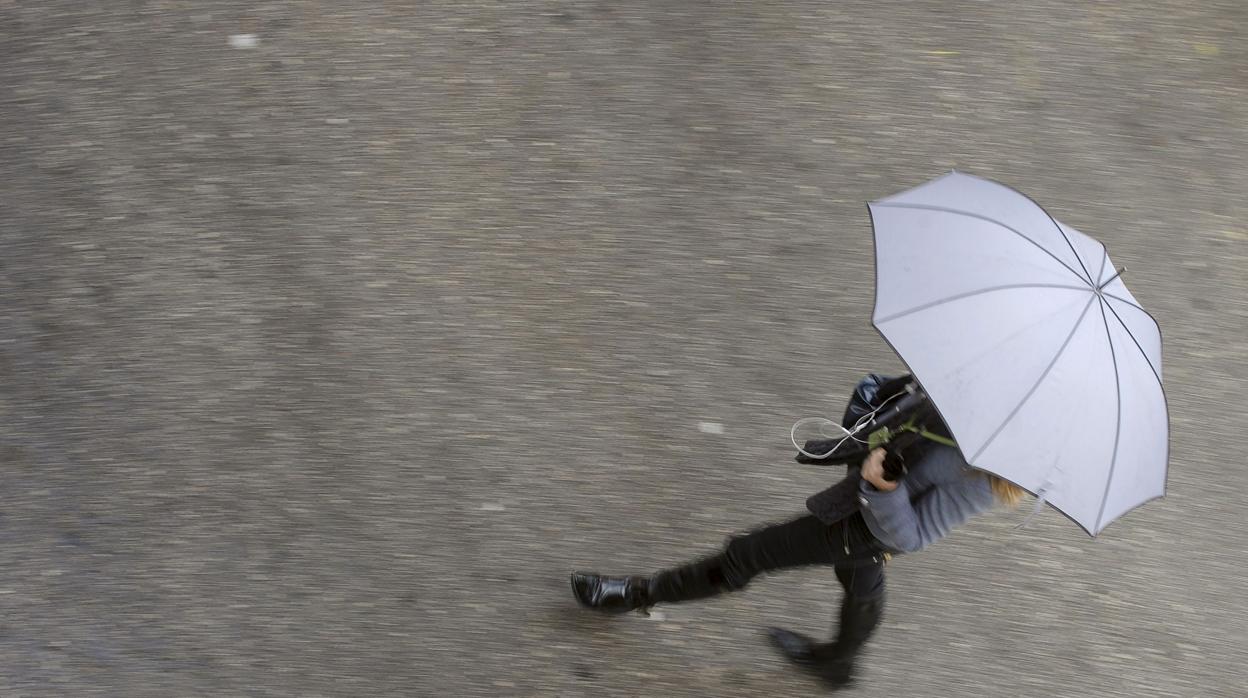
(1043, 365)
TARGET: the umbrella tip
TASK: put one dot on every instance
(1107, 281)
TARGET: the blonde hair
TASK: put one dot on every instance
(1006, 492)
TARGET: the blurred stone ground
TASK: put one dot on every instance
(333, 336)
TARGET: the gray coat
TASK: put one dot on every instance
(938, 494)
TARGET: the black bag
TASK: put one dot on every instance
(873, 392)
(869, 394)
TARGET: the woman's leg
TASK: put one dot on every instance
(862, 581)
(862, 607)
(795, 543)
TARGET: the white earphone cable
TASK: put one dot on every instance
(849, 433)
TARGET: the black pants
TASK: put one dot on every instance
(848, 546)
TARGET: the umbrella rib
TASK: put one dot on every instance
(968, 294)
(1061, 350)
(1156, 373)
(968, 214)
(1113, 462)
(1130, 303)
(1057, 225)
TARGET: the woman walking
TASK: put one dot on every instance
(855, 526)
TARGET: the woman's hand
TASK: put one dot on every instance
(873, 471)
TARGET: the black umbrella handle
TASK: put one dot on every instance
(897, 414)
(894, 462)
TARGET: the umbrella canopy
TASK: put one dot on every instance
(1041, 362)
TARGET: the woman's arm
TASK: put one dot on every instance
(909, 526)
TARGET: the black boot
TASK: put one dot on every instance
(859, 618)
(833, 662)
(610, 594)
(799, 648)
(697, 580)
